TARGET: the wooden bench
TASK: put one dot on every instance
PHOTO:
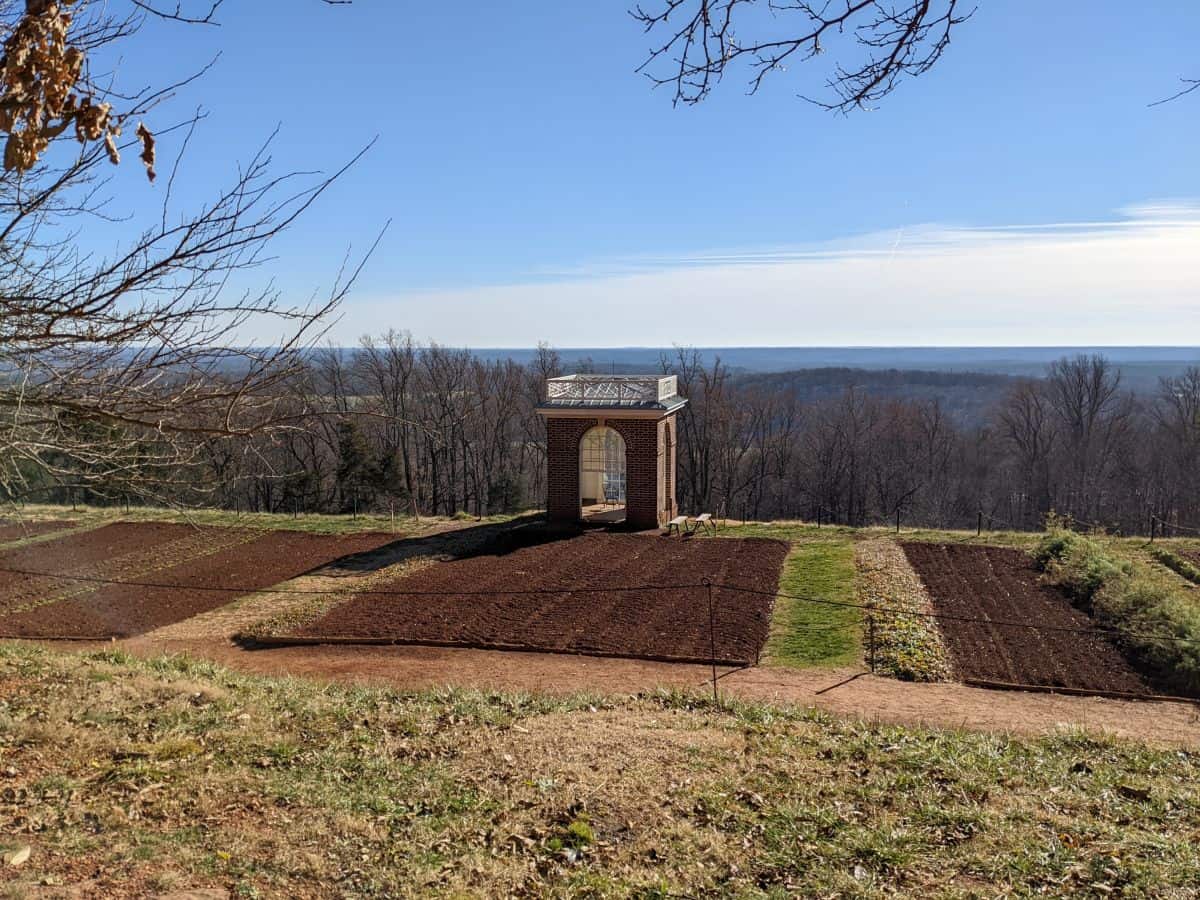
(678, 525)
(705, 521)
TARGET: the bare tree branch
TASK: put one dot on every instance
(179, 14)
(1191, 84)
(701, 40)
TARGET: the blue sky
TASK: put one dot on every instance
(540, 190)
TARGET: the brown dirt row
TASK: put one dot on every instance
(1001, 584)
(195, 583)
(653, 622)
(18, 531)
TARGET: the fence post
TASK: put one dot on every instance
(871, 636)
(897, 520)
(712, 638)
(979, 525)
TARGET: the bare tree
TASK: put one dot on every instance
(117, 370)
(1176, 418)
(1093, 419)
(1029, 430)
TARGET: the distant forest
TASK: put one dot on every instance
(425, 429)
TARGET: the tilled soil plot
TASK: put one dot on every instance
(37, 573)
(200, 570)
(465, 602)
(1000, 584)
(16, 531)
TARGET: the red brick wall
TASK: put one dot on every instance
(649, 464)
(562, 467)
(668, 441)
(642, 468)
(660, 494)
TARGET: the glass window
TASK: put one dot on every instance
(603, 451)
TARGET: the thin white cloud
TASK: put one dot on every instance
(1179, 211)
(1132, 280)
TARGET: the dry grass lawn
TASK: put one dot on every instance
(131, 778)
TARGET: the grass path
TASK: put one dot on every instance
(815, 634)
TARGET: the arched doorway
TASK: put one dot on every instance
(602, 477)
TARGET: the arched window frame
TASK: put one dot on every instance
(602, 449)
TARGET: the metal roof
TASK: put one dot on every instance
(645, 393)
(668, 405)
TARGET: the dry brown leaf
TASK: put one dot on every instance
(40, 90)
(147, 155)
(18, 856)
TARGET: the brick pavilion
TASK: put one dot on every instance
(610, 446)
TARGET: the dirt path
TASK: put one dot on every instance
(842, 691)
(952, 705)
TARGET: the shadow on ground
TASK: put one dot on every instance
(491, 539)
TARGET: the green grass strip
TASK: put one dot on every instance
(816, 634)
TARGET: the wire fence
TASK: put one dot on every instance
(1151, 525)
(1172, 526)
(714, 594)
(884, 611)
(703, 585)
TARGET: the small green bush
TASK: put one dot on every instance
(1078, 564)
(1157, 623)
(1158, 626)
(1056, 545)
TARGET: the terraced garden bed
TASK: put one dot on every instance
(601, 594)
(36, 574)
(128, 578)
(1000, 588)
(11, 530)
